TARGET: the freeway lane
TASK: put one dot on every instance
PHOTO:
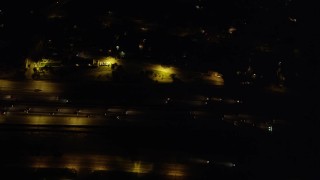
(100, 116)
(52, 106)
(98, 129)
(85, 165)
(57, 120)
(30, 86)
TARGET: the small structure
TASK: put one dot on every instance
(108, 61)
(42, 63)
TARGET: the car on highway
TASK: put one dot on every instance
(62, 100)
(168, 100)
(37, 90)
(90, 115)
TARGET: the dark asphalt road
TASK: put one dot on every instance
(136, 132)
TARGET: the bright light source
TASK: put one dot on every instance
(254, 76)
(139, 167)
(217, 75)
(144, 29)
(292, 19)
(231, 30)
(163, 74)
(175, 170)
(122, 54)
(162, 69)
(109, 60)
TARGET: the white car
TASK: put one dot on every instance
(64, 100)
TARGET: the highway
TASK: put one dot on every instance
(92, 130)
(44, 103)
